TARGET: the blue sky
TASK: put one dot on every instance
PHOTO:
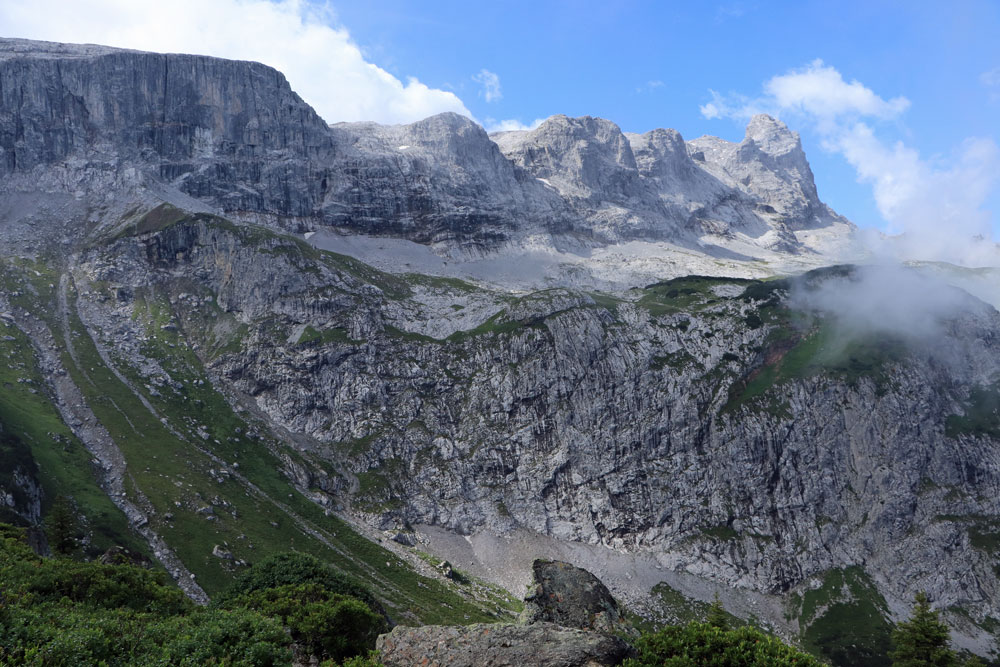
(898, 103)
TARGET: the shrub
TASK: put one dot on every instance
(290, 569)
(700, 644)
(325, 624)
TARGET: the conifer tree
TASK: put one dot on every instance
(62, 527)
(922, 641)
(717, 616)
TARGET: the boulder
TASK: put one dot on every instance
(499, 645)
(572, 597)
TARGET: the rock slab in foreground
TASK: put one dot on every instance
(498, 645)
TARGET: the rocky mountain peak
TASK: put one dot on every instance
(770, 167)
(659, 152)
(772, 136)
(586, 157)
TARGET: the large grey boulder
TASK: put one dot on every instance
(573, 597)
(494, 645)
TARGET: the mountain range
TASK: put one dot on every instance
(232, 328)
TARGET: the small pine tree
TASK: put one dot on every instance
(717, 616)
(922, 641)
(62, 527)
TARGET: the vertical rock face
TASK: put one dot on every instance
(60, 101)
(583, 158)
(21, 494)
(769, 166)
(662, 155)
(233, 136)
(703, 422)
(20, 490)
(439, 180)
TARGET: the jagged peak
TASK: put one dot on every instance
(600, 128)
(660, 138)
(771, 135)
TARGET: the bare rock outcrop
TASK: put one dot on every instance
(496, 645)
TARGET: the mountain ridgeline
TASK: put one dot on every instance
(207, 387)
(234, 136)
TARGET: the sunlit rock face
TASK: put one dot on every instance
(233, 136)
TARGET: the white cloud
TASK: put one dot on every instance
(321, 61)
(650, 86)
(816, 90)
(511, 124)
(936, 203)
(491, 85)
(821, 91)
(734, 105)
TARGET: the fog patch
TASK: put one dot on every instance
(881, 301)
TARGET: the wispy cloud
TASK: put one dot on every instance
(491, 85)
(991, 80)
(731, 11)
(936, 202)
(649, 86)
(510, 124)
(817, 90)
(302, 39)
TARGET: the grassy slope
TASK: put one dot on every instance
(844, 619)
(27, 412)
(254, 512)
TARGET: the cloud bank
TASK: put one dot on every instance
(935, 204)
(321, 62)
(880, 300)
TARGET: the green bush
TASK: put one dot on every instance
(698, 644)
(105, 586)
(62, 613)
(324, 624)
(290, 569)
(236, 638)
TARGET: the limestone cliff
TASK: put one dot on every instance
(232, 137)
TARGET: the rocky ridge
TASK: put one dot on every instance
(130, 128)
(727, 443)
(571, 621)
